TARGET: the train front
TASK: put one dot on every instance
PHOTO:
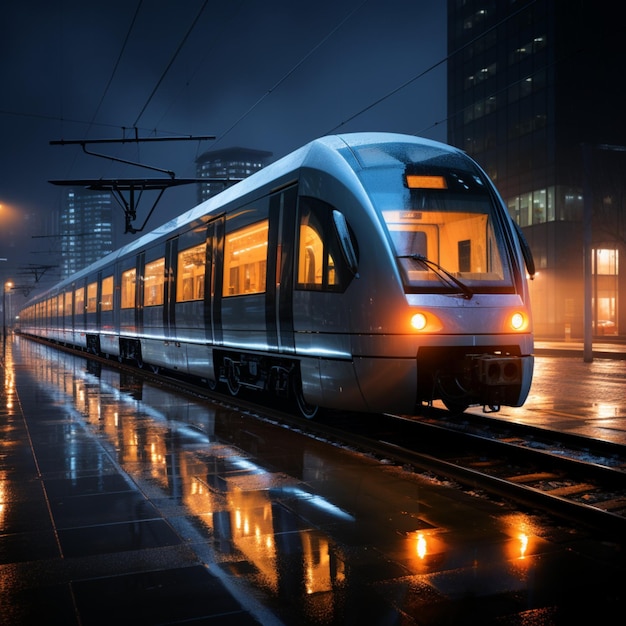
(464, 311)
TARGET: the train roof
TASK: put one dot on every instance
(361, 149)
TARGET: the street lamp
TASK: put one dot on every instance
(6, 285)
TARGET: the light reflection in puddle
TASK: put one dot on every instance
(269, 524)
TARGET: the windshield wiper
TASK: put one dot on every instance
(443, 274)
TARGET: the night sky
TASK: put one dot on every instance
(269, 75)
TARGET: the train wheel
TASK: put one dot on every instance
(309, 411)
(455, 407)
(453, 396)
(232, 379)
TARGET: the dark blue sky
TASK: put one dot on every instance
(269, 75)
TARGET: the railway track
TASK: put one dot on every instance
(574, 478)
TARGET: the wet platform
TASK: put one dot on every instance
(122, 503)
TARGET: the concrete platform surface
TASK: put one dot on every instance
(122, 503)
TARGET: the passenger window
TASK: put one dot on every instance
(311, 255)
(245, 260)
(92, 297)
(67, 308)
(79, 301)
(128, 289)
(321, 263)
(153, 282)
(106, 303)
(191, 268)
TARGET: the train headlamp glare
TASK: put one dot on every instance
(518, 321)
(419, 321)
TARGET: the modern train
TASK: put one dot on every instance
(366, 272)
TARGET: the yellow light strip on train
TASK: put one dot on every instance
(425, 182)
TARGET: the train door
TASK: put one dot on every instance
(279, 294)
(139, 290)
(214, 281)
(169, 303)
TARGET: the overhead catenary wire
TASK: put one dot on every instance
(117, 63)
(171, 62)
(291, 71)
(430, 69)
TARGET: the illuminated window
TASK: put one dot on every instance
(310, 257)
(190, 281)
(153, 281)
(92, 297)
(605, 262)
(128, 289)
(321, 264)
(79, 301)
(245, 260)
(67, 307)
(106, 303)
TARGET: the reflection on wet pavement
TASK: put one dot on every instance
(322, 535)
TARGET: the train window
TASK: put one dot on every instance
(128, 289)
(245, 260)
(456, 232)
(153, 282)
(106, 302)
(321, 263)
(67, 306)
(92, 297)
(190, 280)
(79, 301)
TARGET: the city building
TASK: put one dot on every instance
(86, 228)
(227, 166)
(534, 95)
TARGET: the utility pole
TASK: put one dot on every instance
(587, 251)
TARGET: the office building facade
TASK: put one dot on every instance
(227, 166)
(534, 96)
(86, 228)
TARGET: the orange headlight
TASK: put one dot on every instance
(425, 322)
(419, 321)
(518, 321)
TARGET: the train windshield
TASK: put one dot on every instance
(443, 222)
(448, 240)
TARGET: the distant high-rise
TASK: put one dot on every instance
(229, 164)
(85, 228)
(534, 95)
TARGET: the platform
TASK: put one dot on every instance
(121, 503)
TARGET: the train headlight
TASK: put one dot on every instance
(419, 321)
(425, 322)
(518, 321)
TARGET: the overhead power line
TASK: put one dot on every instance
(169, 65)
(293, 69)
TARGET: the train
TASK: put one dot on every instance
(368, 272)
